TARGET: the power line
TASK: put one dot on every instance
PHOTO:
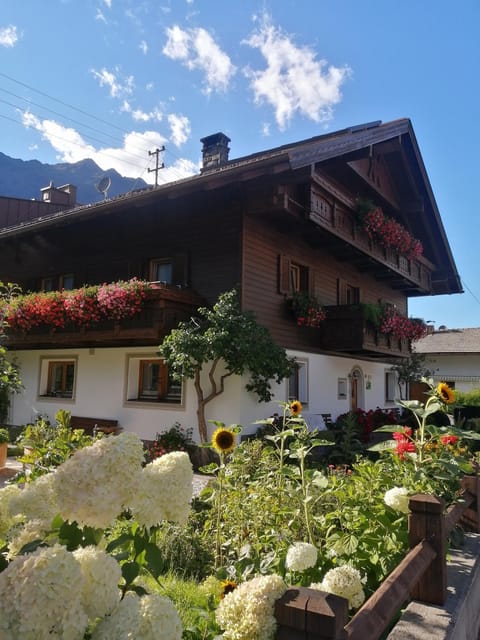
(464, 284)
(89, 115)
(102, 152)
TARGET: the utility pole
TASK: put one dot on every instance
(158, 166)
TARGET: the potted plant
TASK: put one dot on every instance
(306, 309)
(4, 440)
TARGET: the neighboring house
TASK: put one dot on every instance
(453, 356)
(272, 223)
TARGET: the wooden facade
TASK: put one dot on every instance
(239, 224)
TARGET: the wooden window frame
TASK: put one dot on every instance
(164, 392)
(347, 293)
(294, 276)
(154, 263)
(51, 385)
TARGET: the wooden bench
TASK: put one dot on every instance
(91, 426)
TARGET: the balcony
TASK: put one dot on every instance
(164, 307)
(346, 330)
(349, 241)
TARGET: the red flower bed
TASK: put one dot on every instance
(84, 306)
(391, 233)
(402, 327)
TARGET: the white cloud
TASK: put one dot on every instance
(100, 16)
(108, 3)
(8, 36)
(116, 86)
(143, 46)
(139, 115)
(180, 128)
(131, 159)
(66, 141)
(294, 81)
(196, 49)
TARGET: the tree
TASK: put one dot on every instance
(231, 336)
(411, 369)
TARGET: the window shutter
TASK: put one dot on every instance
(162, 380)
(283, 274)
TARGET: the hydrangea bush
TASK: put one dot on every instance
(65, 575)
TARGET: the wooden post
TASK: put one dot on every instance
(426, 522)
(471, 516)
(310, 614)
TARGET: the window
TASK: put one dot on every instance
(298, 277)
(347, 293)
(66, 281)
(298, 383)
(390, 386)
(47, 284)
(293, 276)
(52, 283)
(58, 377)
(161, 271)
(149, 381)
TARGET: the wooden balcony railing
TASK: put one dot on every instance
(342, 223)
(163, 309)
(346, 330)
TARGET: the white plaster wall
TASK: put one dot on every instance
(454, 367)
(101, 387)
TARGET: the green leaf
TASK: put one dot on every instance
(387, 445)
(130, 571)
(118, 542)
(154, 558)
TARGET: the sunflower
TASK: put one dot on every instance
(445, 394)
(296, 408)
(227, 587)
(223, 440)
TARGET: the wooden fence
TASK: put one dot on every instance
(309, 614)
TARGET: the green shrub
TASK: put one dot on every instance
(468, 398)
(175, 439)
(49, 445)
(4, 436)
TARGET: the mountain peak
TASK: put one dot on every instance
(25, 178)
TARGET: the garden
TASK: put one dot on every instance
(101, 537)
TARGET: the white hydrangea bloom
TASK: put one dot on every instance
(301, 556)
(150, 617)
(343, 581)
(247, 613)
(37, 500)
(23, 534)
(40, 597)
(397, 498)
(7, 494)
(97, 483)
(164, 491)
(101, 575)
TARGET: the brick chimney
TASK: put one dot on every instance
(65, 195)
(215, 151)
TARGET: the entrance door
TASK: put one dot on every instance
(356, 389)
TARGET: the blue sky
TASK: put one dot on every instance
(115, 79)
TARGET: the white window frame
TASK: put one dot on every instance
(391, 387)
(302, 383)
